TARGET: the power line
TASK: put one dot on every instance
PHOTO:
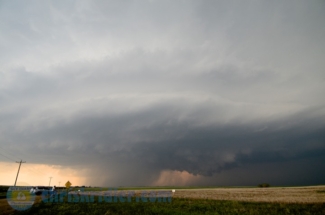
(35, 171)
(10, 153)
(38, 172)
(7, 157)
(25, 167)
(29, 157)
(32, 171)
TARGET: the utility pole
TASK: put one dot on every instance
(20, 162)
(50, 181)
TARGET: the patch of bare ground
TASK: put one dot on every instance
(5, 208)
(312, 194)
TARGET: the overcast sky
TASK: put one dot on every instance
(129, 93)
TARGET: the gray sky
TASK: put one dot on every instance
(166, 92)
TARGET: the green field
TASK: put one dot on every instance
(3, 191)
(177, 206)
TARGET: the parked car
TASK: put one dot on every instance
(39, 190)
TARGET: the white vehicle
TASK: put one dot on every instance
(39, 190)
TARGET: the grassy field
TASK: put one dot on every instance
(177, 206)
(3, 191)
(277, 201)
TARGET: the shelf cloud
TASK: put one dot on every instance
(166, 92)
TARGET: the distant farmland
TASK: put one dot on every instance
(310, 194)
(306, 194)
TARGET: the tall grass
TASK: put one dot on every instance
(177, 206)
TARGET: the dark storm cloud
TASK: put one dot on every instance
(208, 150)
(219, 89)
(154, 139)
